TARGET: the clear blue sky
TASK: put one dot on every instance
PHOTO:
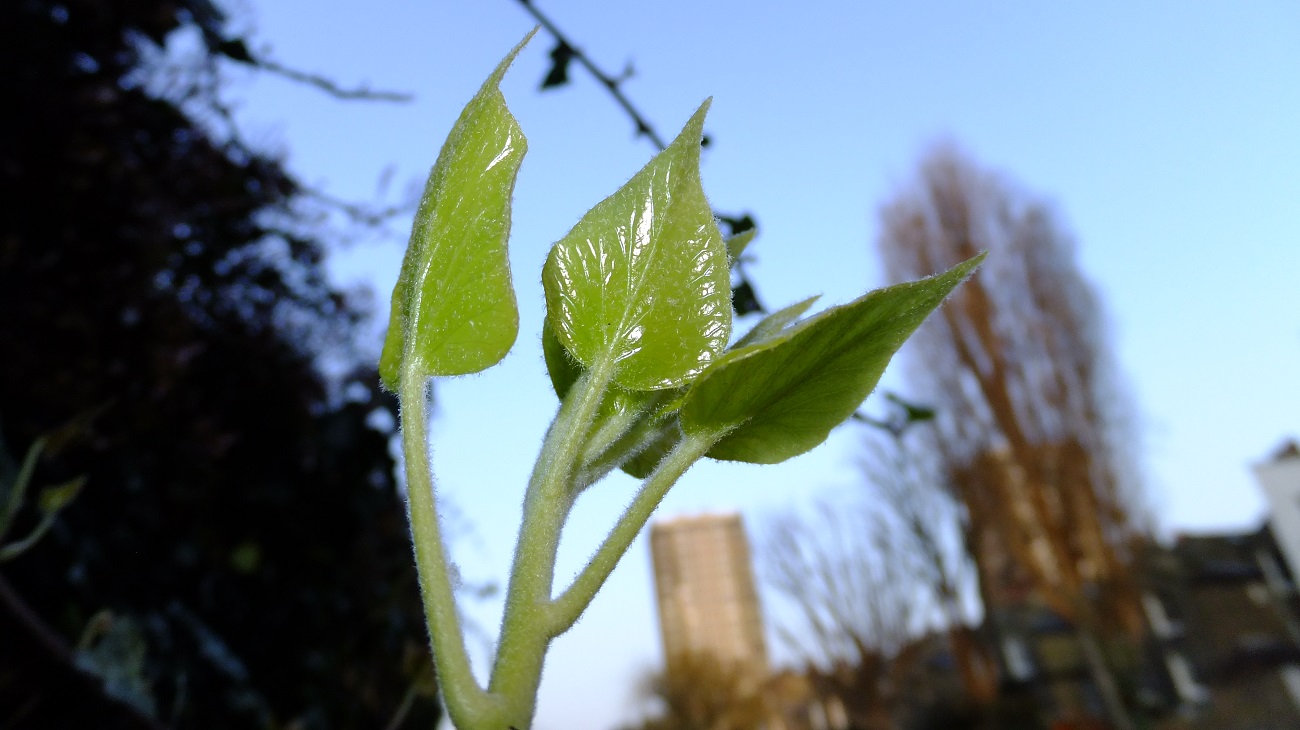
(1167, 134)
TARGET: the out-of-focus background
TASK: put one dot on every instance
(1074, 501)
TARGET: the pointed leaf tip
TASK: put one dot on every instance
(781, 395)
(453, 307)
(642, 281)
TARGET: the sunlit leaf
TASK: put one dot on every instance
(772, 325)
(781, 397)
(558, 75)
(565, 371)
(453, 308)
(737, 244)
(642, 280)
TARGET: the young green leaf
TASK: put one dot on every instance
(781, 397)
(565, 371)
(562, 368)
(774, 323)
(737, 244)
(642, 280)
(453, 308)
(644, 462)
(656, 430)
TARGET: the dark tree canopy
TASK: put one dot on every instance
(240, 519)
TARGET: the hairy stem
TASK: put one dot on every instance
(643, 435)
(565, 610)
(609, 432)
(469, 706)
(525, 630)
(621, 437)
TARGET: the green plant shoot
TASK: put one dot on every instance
(636, 337)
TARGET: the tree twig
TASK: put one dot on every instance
(236, 49)
(328, 86)
(609, 82)
(744, 298)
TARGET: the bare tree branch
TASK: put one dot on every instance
(567, 50)
(237, 50)
(744, 298)
(330, 87)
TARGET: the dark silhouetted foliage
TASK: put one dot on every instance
(240, 522)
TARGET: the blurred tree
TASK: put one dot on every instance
(869, 582)
(1033, 434)
(907, 488)
(856, 597)
(882, 590)
(239, 555)
(699, 692)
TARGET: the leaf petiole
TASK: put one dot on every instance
(565, 610)
(525, 631)
(466, 702)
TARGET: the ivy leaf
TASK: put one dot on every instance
(558, 75)
(744, 300)
(642, 281)
(738, 225)
(912, 412)
(781, 397)
(453, 308)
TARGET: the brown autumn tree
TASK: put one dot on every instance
(1032, 431)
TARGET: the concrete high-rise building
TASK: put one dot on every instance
(704, 583)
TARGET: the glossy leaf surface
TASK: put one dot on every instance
(565, 371)
(642, 280)
(781, 397)
(453, 308)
